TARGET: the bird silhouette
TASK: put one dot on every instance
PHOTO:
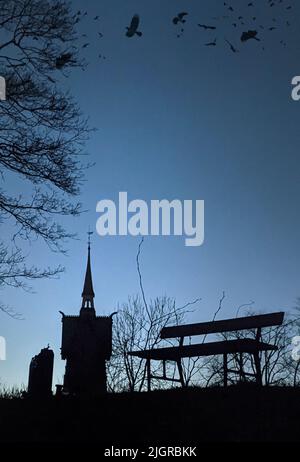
(63, 59)
(133, 28)
(204, 26)
(211, 44)
(233, 49)
(250, 34)
(180, 18)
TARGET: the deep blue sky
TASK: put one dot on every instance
(176, 119)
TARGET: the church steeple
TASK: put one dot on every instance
(88, 291)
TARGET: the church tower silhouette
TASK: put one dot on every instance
(86, 344)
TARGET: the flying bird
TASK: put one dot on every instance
(180, 18)
(211, 44)
(233, 49)
(204, 26)
(133, 28)
(63, 59)
(251, 34)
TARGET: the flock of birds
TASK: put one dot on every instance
(246, 27)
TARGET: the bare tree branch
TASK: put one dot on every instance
(42, 131)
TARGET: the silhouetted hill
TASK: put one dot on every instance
(189, 416)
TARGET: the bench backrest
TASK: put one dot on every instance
(225, 325)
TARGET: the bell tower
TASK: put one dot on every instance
(86, 343)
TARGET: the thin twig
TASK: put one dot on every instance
(140, 276)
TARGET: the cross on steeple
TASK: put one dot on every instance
(88, 291)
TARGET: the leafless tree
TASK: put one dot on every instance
(137, 327)
(42, 131)
(295, 364)
(276, 366)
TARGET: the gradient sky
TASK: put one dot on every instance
(177, 119)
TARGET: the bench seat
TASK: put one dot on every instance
(204, 349)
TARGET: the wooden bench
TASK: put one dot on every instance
(225, 347)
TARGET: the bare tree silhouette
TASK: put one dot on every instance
(277, 367)
(41, 130)
(137, 327)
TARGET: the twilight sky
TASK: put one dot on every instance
(176, 119)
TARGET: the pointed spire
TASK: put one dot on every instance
(88, 291)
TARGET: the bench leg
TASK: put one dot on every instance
(148, 365)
